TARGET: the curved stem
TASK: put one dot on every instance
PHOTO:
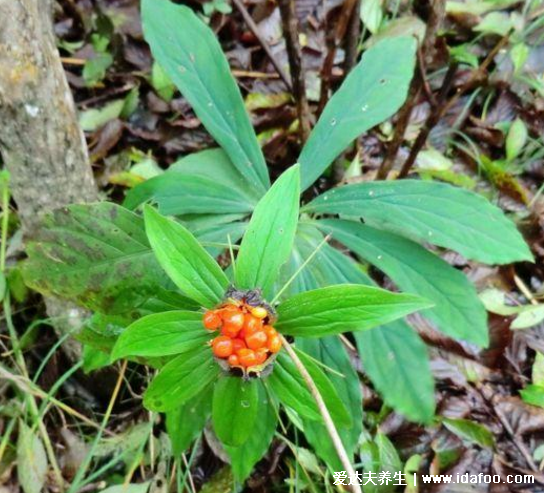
(329, 424)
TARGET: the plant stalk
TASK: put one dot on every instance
(329, 424)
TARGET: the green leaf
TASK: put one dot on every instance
(128, 488)
(397, 362)
(331, 353)
(533, 395)
(379, 456)
(235, 409)
(269, 237)
(177, 193)
(94, 118)
(458, 311)
(372, 14)
(243, 458)
(94, 359)
(203, 182)
(529, 316)
(470, 431)
(516, 139)
(343, 308)
(430, 212)
(162, 83)
(372, 92)
(185, 261)
(190, 54)
(181, 379)
(162, 334)
(96, 255)
(186, 422)
(290, 388)
(394, 357)
(31, 460)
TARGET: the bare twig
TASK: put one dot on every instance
(432, 120)
(294, 53)
(488, 398)
(266, 47)
(400, 128)
(436, 16)
(352, 38)
(329, 424)
(442, 106)
(334, 39)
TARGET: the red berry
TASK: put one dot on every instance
(233, 360)
(233, 321)
(247, 357)
(256, 340)
(211, 320)
(261, 355)
(222, 346)
(274, 343)
(270, 331)
(251, 323)
(238, 344)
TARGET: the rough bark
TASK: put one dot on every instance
(41, 143)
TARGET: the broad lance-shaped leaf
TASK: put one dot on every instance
(200, 183)
(393, 355)
(97, 255)
(458, 311)
(397, 362)
(430, 212)
(190, 54)
(289, 387)
(162, 334)
(31, 460)
(344, 308)
(181, 379)
(177, 193)
(332, 354)
(373, 91)
(244, 457)
(185, 261)
(268, 240)
(235, 409)
(186, 422)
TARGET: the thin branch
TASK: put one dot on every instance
(301, 268)
(352, 38)
(329, 424)
(436, 17)
(431, 121)
(442, 106)
(294, 54)
(334, 39)
(264, 44)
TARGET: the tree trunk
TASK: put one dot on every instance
(41, 143)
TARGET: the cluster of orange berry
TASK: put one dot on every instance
(247, 339)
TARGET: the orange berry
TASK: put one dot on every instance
(211, 320)
(247, 357)
(274, 343)
(233, 360)
(256, 340)
(259, 312)
(270, 331)
(222, 346)
(261, 355)
(238, 344)
(230, 331)
(252, 323)
(233, 319)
